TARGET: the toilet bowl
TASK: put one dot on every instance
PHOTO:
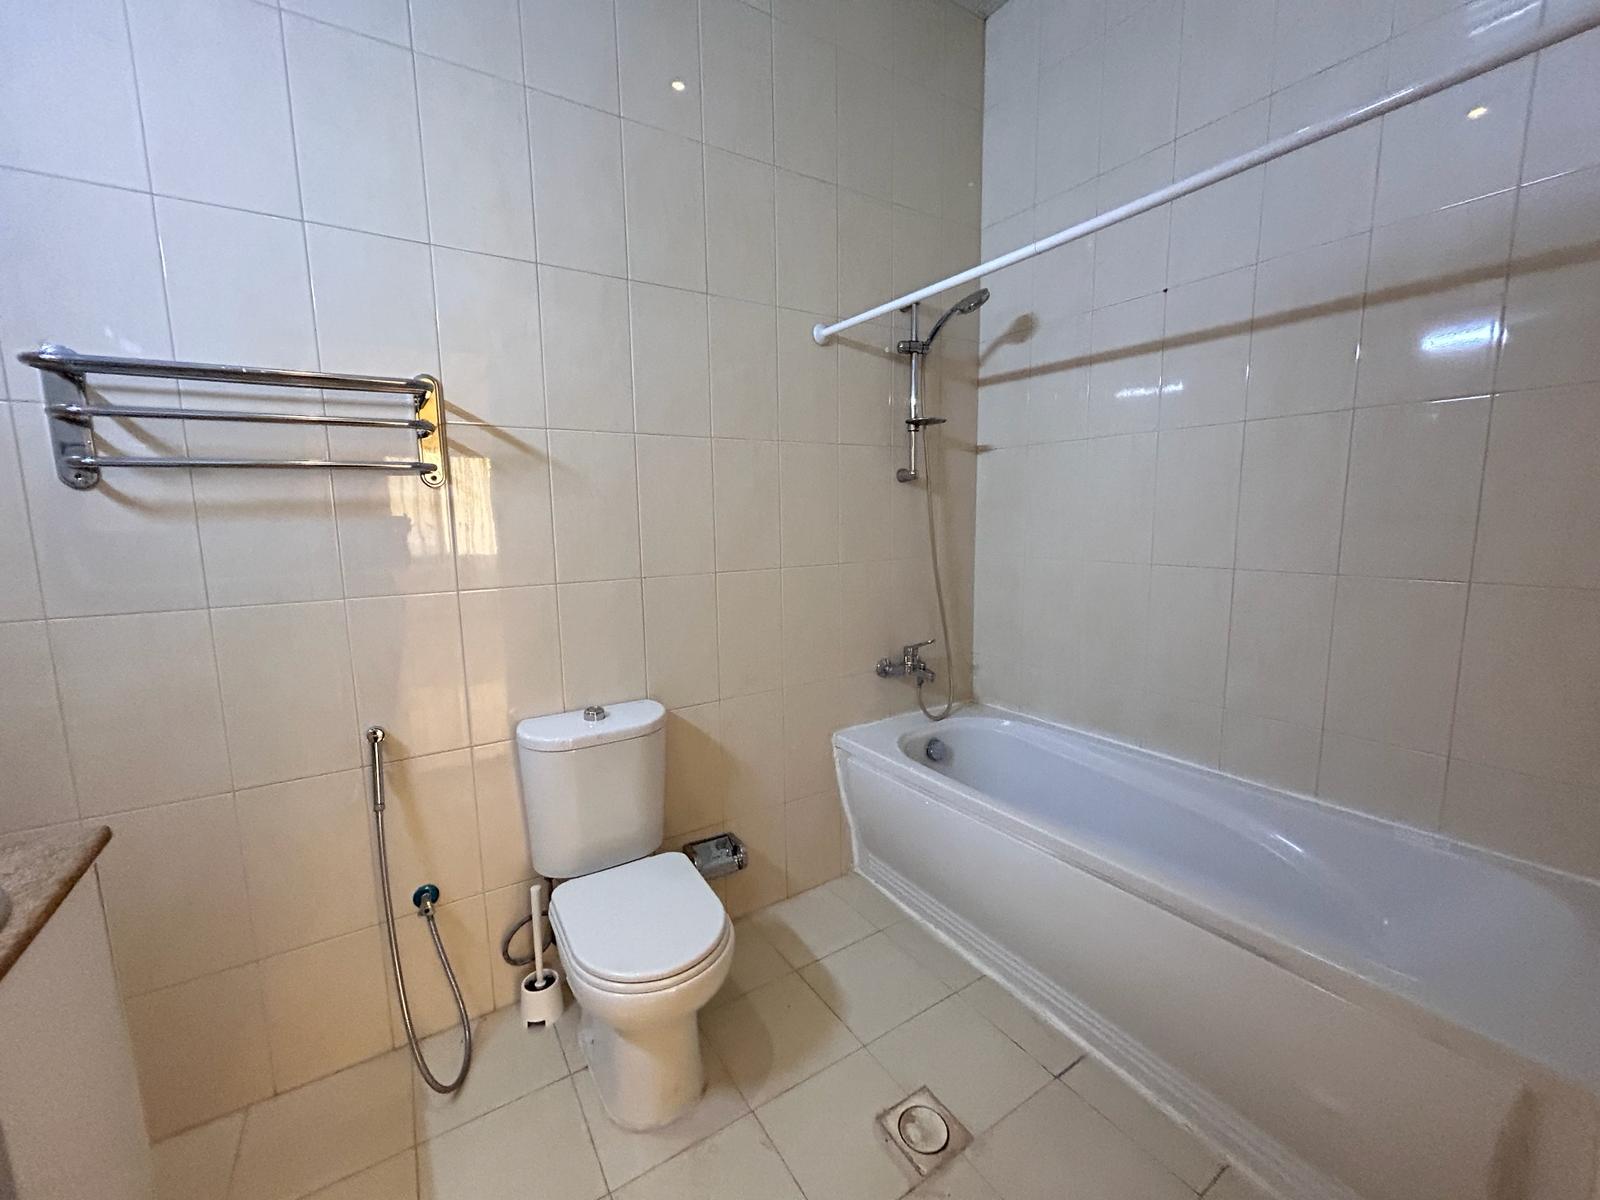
(645, 946)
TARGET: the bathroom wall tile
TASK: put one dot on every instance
(1540, 521)
(501, 483)
(602, 642)
(1067, 143)
(129, 683)
(695, 771)
(394, 532)
(326, 1006)
(1291, 495)
(804, 102)
(588, 377)
(1528, 682)
(176, 904)
(69, 92)
(1522, 815)
(593, 480)
(1278, 645)
(916, 174)
(358, 143)
(744, 387)
(489, 340)
(482, 34)
(197, 1163)
(1226, 60)
(866, 502)
(1183, 729)
(431, 822)
(1009, 163)
(736, 58)
(1125, 370)
(288, 699)
(512, 644)
(807, 235)
(749, 625)
(571, 50)
(1275, 753)
(811, 712)
(1309, 38)
(865, 114)
(1130, 258)
(1218, 228)
(200, 1049)
(752, 740)
(385, 19)
(657, 45)
(666, 203)
(1384, 780)
(306, 850)
(1188, 632)
(32, 739)
(870, 410)
(1562, 131)
(1197, 495)
(475, 151)
(1205, 361)
(812, 627)
(865, 270)
(808, 488)
(504, 908)
(1551, 281)
(84, 271)
(675, 505)
(577, 185)
(214, 102)
(1412, 502)
(670, 361)
(741, 253)
(680, 640)
(960, 164)
(1141, 82)
(745, 504)
(419, 695)
(808, 382)
(1307, 328)
(463, 930)
(374, 310)
(502, 829)
(1396, 646)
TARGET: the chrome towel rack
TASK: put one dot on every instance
(72, 414)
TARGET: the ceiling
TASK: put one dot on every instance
(982, 7)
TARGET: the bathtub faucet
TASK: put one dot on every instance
(909, 664)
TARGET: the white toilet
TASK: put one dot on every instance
(644, 941)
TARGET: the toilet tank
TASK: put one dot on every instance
(593, 791)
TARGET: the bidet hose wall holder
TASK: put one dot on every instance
(426, 897)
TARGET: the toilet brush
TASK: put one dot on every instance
(541, 988)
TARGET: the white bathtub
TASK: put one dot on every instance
(1343, 1006)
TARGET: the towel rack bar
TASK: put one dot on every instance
(65, 362)
(87, 412)
(100, 462)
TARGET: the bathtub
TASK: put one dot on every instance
(1342, 1006)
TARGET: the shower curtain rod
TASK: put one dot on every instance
(1540, 39)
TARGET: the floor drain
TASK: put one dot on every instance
(924, 1132)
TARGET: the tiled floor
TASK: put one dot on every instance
(836, 1008)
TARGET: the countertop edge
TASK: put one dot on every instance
(38, 870)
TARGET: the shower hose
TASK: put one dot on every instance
(425, 898)
(938, 591)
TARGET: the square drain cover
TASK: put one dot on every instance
(924, 1131)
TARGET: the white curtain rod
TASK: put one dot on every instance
(1547, 36)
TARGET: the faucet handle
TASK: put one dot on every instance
(919, 645)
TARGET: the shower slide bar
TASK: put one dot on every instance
(1540, 39)
(71, 414)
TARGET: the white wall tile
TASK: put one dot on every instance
(1197, 495)
(33, 741)
(577, 185)
(808, 381)
(745, 504)
(602, 642)
(20, 597)
(1563, 133)
(596, 505)
(1310, 36)
(418, 696)
(666, 201)
(1067, 139)
(1218, 228)
(482, 34)
(1125, 366)
(1387, 781)
(916, 179)
(501, 506)
(744, 381)
(355, 127)
(215, 104)
(805, 107)
(808, 488)
(588, 380)
(1141, 82)
(736, 57)
(1290, 499)
(502, 831)
(658, 42)
(67, 88)
(1551, 284)
(130, 683)
(675, 505)
(1205, 362)
(1275, 753)
(512, 644)
(374, 308)
(680, 640)
(749, 624)
(1278, 647)
(431, 823)
(1226, 59)
(1188, 624)
(1130, 259)
(741, 252)
(865, 116)
(288, 699)
(571, 50)
(1307, 329)
(671, 364)
(326, 1006)
(807, 235)
(1523, 815)
(385, 19)
(475, 153)
(489, 342)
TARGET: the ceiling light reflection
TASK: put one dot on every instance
(1459, 339)
(1144, 393)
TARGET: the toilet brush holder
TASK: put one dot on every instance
(541, 997)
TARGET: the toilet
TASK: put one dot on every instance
(644, 941)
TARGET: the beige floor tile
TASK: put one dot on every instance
(1233, 1184)
(1051, 1048)
(626, 1155)
(826, 1130)
(1056, 1146)
(958, 1180)
(737, 1164)
(755, 961)
(393, 1179)
(537, 1145)
(196, 1165)
(808, 926)
(873, 986)
(325, 1131)
(509, 1060)
(971, 1066)
(912, 937)
(567, 1032)
(1173, 1146)
(866, 899)
(778, 1035)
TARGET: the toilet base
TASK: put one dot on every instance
(646, 1077)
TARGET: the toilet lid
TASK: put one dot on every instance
(646, 920)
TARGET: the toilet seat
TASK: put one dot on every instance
(644, 926)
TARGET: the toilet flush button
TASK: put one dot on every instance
(595, 712)
(923, 1130)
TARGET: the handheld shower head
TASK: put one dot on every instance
(963, 306)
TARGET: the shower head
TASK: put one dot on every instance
(967, 304)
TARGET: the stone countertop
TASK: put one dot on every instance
(37, 870)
